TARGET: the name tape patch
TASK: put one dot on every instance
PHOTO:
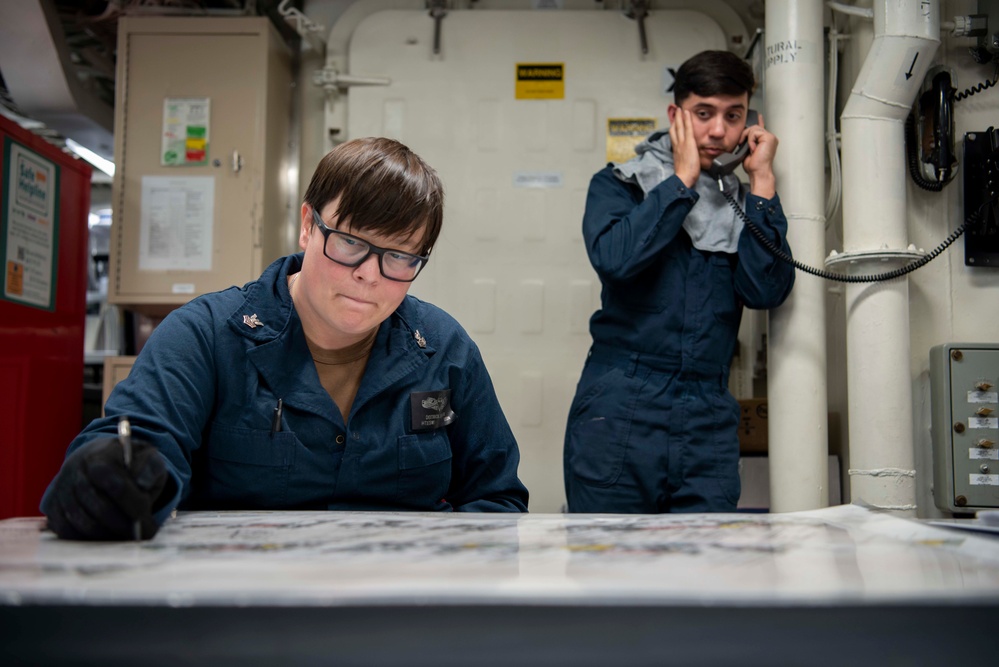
(431, 410)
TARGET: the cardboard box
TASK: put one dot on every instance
(753, 426)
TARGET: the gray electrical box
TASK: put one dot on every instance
(964, 389)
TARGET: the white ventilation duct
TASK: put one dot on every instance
(906, 36)
(798, 432)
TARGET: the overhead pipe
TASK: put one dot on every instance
(796, 357)
(879, 380)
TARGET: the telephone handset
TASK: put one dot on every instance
(929, 141)
(726, 163)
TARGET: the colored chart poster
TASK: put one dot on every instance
(29, 232)
(185, 131)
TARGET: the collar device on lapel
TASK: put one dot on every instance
(252, 321)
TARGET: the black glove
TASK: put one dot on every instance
(94, 497)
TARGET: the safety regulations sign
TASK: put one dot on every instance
(540, 81)
(29, 226)
(623, 134)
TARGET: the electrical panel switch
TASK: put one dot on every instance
(965, 429)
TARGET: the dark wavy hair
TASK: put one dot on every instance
(383, 187)
(711, 73)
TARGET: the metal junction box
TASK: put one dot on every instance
(965, 430)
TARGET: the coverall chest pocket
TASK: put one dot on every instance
(722, 281)
(249, 468)
(424, 467)
(649, 291)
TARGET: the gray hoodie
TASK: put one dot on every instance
(712, 224)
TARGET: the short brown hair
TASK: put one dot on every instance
(711, 73)
(383, 186)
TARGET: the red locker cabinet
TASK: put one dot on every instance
(44, 204)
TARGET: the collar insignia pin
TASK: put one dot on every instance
(420, 340)
(252, 321)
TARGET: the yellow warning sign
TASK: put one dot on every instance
(623, 134)
(540, 81)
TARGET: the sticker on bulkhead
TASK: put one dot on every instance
(538, 179)
(431, 410)
(623, 134)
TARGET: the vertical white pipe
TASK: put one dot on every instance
(906, 35)
(796, 377)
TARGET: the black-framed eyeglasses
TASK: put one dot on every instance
(348, 250)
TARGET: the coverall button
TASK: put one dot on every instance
(340, 439)
(759, 206)
(771, 210)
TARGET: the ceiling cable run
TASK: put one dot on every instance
(311, 32)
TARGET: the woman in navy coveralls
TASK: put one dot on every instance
(244, 398)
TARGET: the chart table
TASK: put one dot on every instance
(843, 585)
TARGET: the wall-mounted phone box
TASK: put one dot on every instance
(964, 391)
(981, 212)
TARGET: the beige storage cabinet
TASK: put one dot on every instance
(242, 67)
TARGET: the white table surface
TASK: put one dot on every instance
(840, 555)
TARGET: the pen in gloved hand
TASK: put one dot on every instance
(125, 438)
